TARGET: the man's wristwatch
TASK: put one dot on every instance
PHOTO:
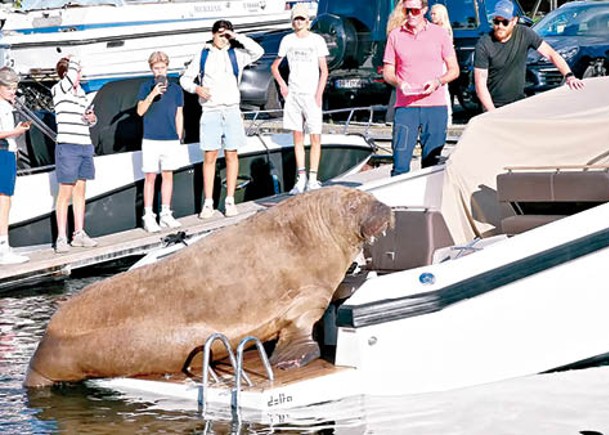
(569, 74)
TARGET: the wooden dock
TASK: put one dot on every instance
(46, 265)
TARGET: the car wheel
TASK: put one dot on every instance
(595, 69)
(274, 100)
(341, 37)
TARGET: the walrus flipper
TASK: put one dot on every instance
(295, 352)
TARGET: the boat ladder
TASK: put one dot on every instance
(236, 363)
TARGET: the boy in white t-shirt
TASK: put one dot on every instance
(306, 53)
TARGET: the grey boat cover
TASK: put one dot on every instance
(556, 128)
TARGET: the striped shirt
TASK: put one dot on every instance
(70, 104)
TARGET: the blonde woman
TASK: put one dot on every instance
(439, 16)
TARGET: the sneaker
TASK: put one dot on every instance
(82, 240)
(150, 224)
(9, 257)
(230, 209)
(207, 211)
(313, 185)
(62, 246)
(168, 221)
(300, 186)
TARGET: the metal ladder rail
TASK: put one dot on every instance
(239, 371)
(207, 368)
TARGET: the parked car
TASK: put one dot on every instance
(579, 31)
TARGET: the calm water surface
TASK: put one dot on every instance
(574, 402)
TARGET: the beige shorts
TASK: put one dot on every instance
(159, 155)
(302, 110)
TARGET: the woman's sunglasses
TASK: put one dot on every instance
(412, 11)
(497, 21)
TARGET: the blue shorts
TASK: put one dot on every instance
(8, 172)
(73, 163)
(222, 128)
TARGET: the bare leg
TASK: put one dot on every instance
(5, 206)
(78, 205)
(315, 155)
(149, 180)
(61, 208)
(209, 173)
(299, 150)
(166, 187)
(232, 170)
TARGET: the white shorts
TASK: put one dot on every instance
(299, 107)
(159, 155)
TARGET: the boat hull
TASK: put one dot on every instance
(115, 197)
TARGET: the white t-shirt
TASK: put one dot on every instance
(7, 123)
(303, 58)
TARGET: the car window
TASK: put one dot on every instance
(582, 21)
(463, 14)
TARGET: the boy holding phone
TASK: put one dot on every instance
(8, 161)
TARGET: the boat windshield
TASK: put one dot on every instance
(30, 5)
(575, 21)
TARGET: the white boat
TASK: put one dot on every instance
(422, 318)
(114, 198)
(113, 38)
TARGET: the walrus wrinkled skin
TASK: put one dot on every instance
(271, 276)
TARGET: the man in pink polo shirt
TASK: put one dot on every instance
(419, 61)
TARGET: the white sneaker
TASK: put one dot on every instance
(207, 211)
(61, 245)
(168, 221)
(313, 185)
(9, 257)
(230, 209)
(300, 186)
(150, 224)
(82, 240)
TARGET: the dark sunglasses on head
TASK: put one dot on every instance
(299, 19)
(497, 21)
(412, 11)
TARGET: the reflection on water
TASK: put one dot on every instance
(560, 403)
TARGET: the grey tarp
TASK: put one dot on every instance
(559, 127)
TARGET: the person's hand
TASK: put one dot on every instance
(431, 86)
(405, 87)
(574, 83)
(229, 34)
(22, 127)
(158, 89)
(203, 92)
(284, 90)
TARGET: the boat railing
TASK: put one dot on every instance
(207, 370)
(239, 371)
(259, 120)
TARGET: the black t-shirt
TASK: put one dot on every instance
(506, 63)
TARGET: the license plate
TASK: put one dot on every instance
(349, 83)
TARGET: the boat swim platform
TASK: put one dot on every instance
(318, 381)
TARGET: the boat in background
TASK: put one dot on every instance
(113, 38)
(115, 198)
(429, 308)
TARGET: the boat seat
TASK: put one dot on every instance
(418, 232)
(541, 197)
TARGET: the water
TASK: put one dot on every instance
(563, 403)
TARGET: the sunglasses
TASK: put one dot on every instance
(299, 19)
(412, 11)
(503, 21)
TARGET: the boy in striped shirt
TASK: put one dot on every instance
(73, 153)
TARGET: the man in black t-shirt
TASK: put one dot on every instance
(500, 59)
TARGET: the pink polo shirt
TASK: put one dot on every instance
(419, 58)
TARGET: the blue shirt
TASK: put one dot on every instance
(160, 118)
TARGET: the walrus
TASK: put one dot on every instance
(271, 276)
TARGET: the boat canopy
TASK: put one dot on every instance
(554, 129)
(31, 5)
